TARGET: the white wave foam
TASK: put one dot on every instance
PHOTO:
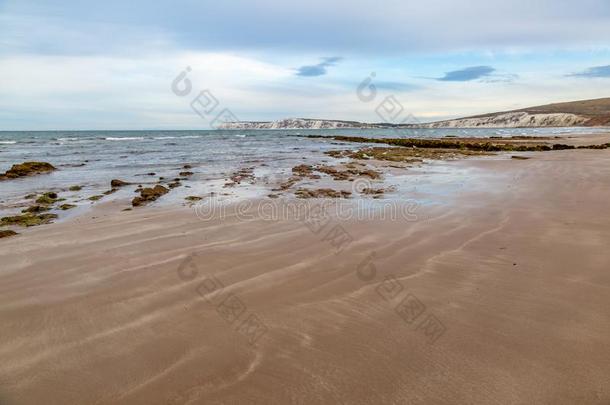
(127, 138)
(177, 137)
(8, 142)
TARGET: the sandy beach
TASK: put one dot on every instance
(304, 202)
(498, 293)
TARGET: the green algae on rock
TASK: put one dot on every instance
(28, 219)
(36, 208)
(403, 155)
(486, 145)
(47, 198)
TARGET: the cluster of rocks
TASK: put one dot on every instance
(348, 174)
(304, 171)
(35, 214)
(244, 174)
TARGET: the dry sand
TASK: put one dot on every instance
(513, 268)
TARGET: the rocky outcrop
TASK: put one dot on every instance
(27, 169)
(149, 194)
(299, 123)
(321, 193)
(28, 219)
(116, 183)
(7, 233)
(576, 113)
(513, 120)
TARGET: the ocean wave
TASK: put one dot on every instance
(177, 137)
(240, 136)
(126, 138)
(8, 142)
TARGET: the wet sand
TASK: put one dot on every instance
(497, 295)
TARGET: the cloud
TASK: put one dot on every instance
(467, 74)
(396, 86)
(74, 26)
(500, 78)
(596, 71)
(319, 69)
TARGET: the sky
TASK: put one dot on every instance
(75, 65)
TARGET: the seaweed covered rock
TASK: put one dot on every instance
(347, 174)
(65, 207)
(35, 209)
(321, 193)
(27, 169)
(47, 198)
(28, 219)
(149, 194)
(450, 143)
(302, 170)
(373, 191)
